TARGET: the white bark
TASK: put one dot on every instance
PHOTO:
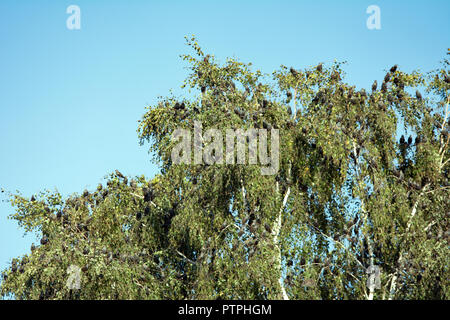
(275, 233)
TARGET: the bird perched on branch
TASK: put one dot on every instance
(418, 95)
(319, 67)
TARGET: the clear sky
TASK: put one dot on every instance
(70, 99)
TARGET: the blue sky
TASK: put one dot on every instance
(70, 99)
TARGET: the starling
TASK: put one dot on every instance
(447, 78)
(86, 193)
(319, 67)
(387, 77)
(32, 199)
(294, 72)
(402, 139)
(418, 95)
(417, 140)
(33, 247)
(148, 194)
(138, 216)
(265, 103)
(44, 240)
(288, 96)
(393, 69)
(374, 86)
(203, 89)
(251, 219)
(119, 174)
(409, 140)
(383, 87)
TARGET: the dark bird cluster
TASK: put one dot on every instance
(179, 106)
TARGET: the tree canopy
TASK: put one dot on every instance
(363, 182)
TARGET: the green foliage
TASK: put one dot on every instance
(349, 194)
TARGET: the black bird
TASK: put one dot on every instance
(44, 240)
(394, 68)
(374, 86)
(418, 95)
(319, 67)
(409, 140)
(294, 72)
(119, 174)
(266, 125)
(33, 199)
(383, 87)
(203, 89)
(402, 139)
(417, 140)
(447, 78)
(387, 77)
(148, 194)
(289, 95)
